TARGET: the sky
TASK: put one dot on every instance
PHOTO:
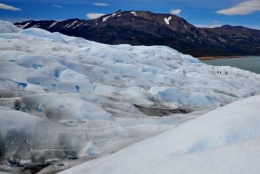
(201, 13)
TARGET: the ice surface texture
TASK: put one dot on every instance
(36, 60)
(65, 97)
(8, 27)
(226, 140)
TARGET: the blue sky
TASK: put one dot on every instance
(201, 13)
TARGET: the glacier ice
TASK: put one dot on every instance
(225, 140)
(8, 27)
(64, 98)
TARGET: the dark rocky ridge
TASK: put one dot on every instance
(146, 28)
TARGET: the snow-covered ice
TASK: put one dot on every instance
(64, 97)
(157, 74)
(8, 27)
(226, 140)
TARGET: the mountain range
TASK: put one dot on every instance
(147, 28)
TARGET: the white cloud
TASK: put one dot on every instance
(243, 8)
(214, 26)
(94, 15)
(7, 7)
(175, 11)
(58, 6)
(205, 25)
(100, 4)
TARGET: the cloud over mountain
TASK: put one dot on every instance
(243, 8)
(175, 11)
(94, 15)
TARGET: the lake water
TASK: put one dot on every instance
(250, 63)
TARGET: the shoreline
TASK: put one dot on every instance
(219, 57)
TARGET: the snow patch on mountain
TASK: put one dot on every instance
(25, 25)
(52, 25)
(167, 20)
(105, 18)
(134, 13)
(113, 15)
(73, 23)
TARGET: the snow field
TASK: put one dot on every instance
(225, 140)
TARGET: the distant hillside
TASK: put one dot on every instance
(146, 28)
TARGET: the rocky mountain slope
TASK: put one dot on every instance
(146, 28)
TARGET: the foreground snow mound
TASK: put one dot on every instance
(226, 140)
(8, 27)
(65, 98)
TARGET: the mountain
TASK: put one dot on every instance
(146, 28)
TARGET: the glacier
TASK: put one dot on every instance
(225, 140)
(8, 27)
(66, 100)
